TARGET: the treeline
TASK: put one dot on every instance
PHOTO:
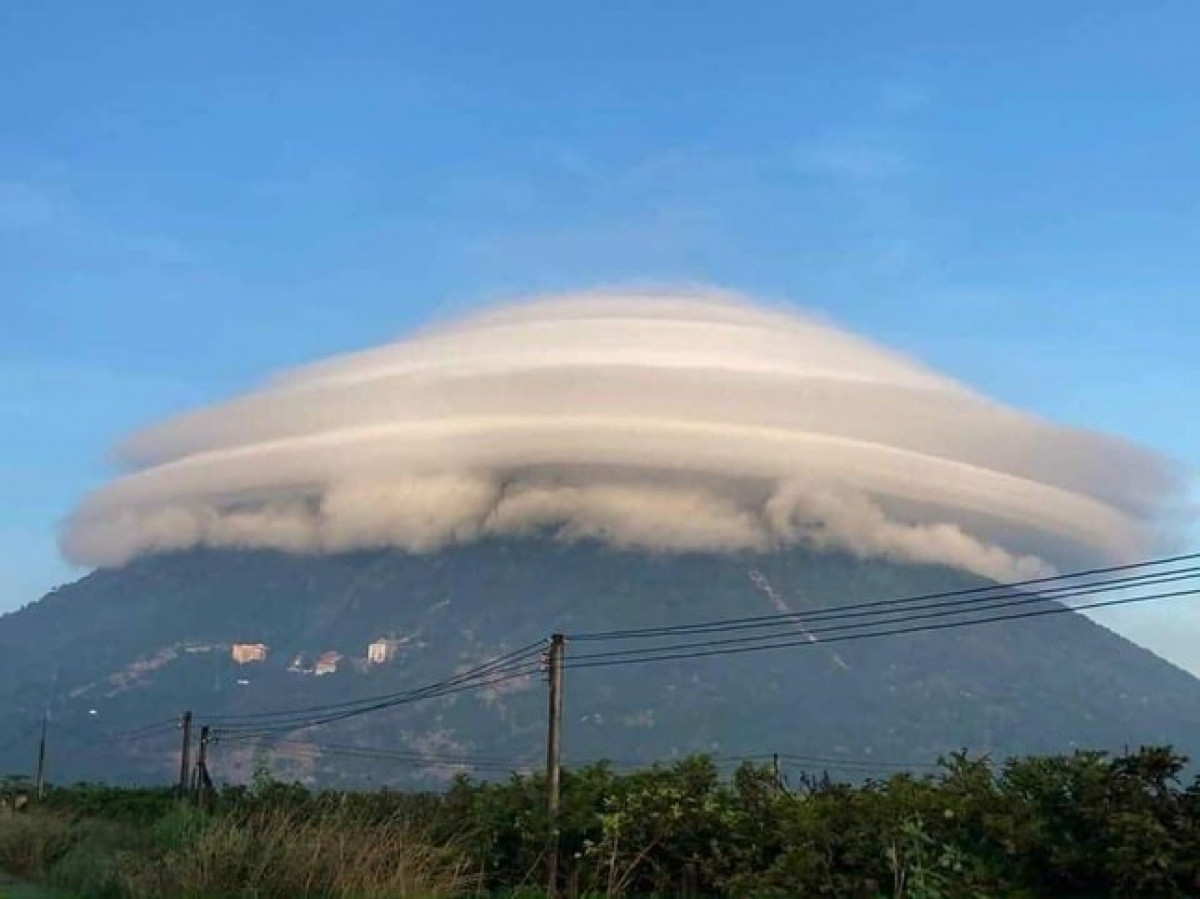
(1079, 825)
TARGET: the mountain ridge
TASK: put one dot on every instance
(121, 649)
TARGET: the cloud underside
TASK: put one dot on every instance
(669, 422)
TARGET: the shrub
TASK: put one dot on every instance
(1077, 825)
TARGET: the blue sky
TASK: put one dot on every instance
(193, 196)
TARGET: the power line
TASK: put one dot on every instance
(930, 611)
(148, 731)
(408, 758)
(521, 653)
(814, 614)
(600, 660)
(510, 666)
(474, 680)
(491, 762)
(289, 726)
(837, 762)
(378, 752)
(1060, 593)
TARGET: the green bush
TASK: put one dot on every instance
(1082, 825)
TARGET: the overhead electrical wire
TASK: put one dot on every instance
(153, 729)
(856, 763)
(291, 725)
(415, 758)
(491, 674)
(865, 610)
(410, 758)
(926, 612)
(700, 650)
(499, 665)
(516, 664)
(814, 614)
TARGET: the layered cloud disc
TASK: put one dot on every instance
(671, 422)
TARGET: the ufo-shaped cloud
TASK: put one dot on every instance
(668, 421)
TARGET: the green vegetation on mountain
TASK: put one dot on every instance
(122, 649)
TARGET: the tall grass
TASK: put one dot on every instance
(30, 843)
(266, 853)
(277, 852)
(78, 855)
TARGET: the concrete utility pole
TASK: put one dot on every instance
(203, 781)
(185, 753)
(554, 759)
(41, 764)
(41, 768)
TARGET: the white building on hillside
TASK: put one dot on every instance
(383, 650)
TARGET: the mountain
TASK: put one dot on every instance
(121, 652)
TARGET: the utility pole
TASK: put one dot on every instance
(185, 753)
(554, 759)
(41, 768)
(203, 781)
(41, 764)
(776, 781)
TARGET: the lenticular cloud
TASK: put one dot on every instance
(669, 422)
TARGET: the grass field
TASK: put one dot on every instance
(10, 888)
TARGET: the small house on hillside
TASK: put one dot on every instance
(327, 663)
(245, 653)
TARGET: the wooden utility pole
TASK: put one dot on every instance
(776, 780)
(185, 753)
(554, 759)
(41, 768)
